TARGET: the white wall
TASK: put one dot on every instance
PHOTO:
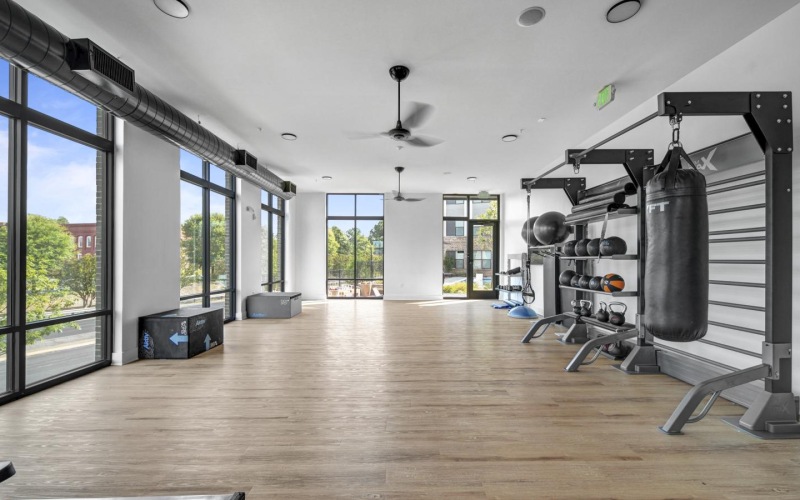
(766, 60)
(309, 243)
(146, 233)
(248, 245)
(412, 266)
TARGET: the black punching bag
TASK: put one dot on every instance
(676, 266)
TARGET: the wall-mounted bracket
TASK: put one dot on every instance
(570, 185)
(634, 160)
(772, 354)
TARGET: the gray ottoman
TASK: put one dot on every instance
(274, 305)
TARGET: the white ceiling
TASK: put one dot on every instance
(319, 69)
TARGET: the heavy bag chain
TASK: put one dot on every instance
(675, 121)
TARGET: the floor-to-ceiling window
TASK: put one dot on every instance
(355, 245)
(470, 243)
(207, 239)
(273, 231)
(55, 234)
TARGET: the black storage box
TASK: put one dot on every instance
(180, 334)
(274, 305)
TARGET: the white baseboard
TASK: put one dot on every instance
(412, 297)
(123, 358)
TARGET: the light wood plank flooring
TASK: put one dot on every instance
(382, 400)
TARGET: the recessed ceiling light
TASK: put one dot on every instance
(327, 178)
(541, 120)
(289, 137)
(447, 173)
(472, 179)
(509, 138)
(530, 16)
(622, 11)
(173, 8)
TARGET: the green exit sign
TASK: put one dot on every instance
(605, 96)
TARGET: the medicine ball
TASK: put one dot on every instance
(580, 247)
(613, 245)
(596, 283)
(573, 282)
(584, 281)
(527, 233)
(569, 248)
(613, 283)
(550, 228)
(565, 277)
(593, 247)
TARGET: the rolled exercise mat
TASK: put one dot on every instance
(621, 184)
(605, 200)
(676, 264)
(611, 207)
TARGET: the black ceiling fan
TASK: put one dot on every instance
(419, 114)
(398, 196)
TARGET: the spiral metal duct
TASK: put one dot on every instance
(37, 47)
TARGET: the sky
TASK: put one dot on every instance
(61, 173)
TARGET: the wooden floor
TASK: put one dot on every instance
(382, 400)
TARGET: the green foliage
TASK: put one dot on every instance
(459, 288)
(449, 263)
(343, 244)
(80, 277)
(192, 249)
(50, 248)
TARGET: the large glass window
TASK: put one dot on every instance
(55, 183)
(273, 218)
(355, 245)
(207, 266)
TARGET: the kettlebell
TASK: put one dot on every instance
(593, 247)
(580, 247)
(576, 307)
(602, 313)
(616, 317)
(596, 283)
(569, 248)
(573, 282)
(584, 281)
(586, 308)
(565, 277)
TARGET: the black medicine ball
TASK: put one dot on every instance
(595, 283)
(584, 281)
(580, 247)
(569, 248)
(565, 277)
(573, 282)
(613, 245)
(593, 247)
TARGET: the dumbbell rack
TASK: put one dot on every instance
(642, 358)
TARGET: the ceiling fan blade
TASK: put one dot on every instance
(420, 113)
(399, 197)
(424, 142)
(357, 136)
(413, 199)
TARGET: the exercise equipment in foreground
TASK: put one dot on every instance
(676, 291)
(772, 413)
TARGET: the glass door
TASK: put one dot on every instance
(482, 262)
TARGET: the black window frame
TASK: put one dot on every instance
(280, 211)
(21, 118)
(229, 191)
(355, 218)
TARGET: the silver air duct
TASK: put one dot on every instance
(33, 45)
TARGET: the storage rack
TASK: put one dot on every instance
(774, 412)
(518, 279)
(642, 358)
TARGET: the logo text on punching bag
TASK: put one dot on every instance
(657, 207)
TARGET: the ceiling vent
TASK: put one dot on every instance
(100, 67)
(289, 187)
(244, 159)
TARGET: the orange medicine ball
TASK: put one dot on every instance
(613, 283)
